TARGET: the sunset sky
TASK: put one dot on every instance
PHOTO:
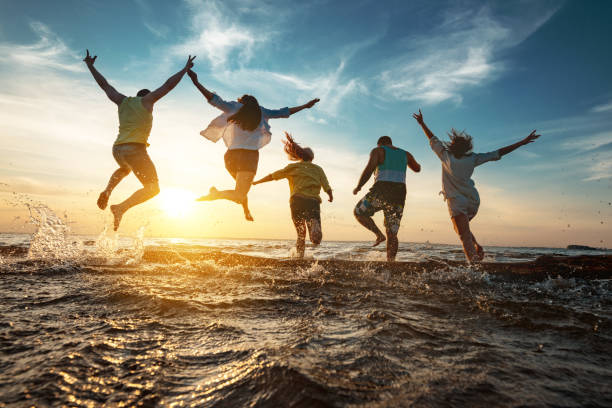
(496, 69)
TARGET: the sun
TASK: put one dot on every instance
(177, 202)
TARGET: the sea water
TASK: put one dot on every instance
(88, 321)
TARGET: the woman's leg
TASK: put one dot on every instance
(300, 228)
(461, 223)
(244, 179)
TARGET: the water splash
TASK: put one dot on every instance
(52, 240)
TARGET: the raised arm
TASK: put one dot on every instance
(307, 105)
(111, 92)
(194, 78)
(149, 99)
(529, 139)
(412, 163)
(419, 119)
(375, 160)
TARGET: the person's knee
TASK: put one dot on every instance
(152, 189)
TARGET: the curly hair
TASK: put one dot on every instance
(460, 143)
(295, 151)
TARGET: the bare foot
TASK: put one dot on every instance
(247, 215)
(103, 200)
(379, 239)
(479, 252)
(212, 195)
(117, 215)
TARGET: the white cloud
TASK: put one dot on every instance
(459, 53)
(590, 142)
(215, 35)
(602, 108)
(48, 52)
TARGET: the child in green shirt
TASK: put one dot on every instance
(305, 182)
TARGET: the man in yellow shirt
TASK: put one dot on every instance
(305, 182)
(130, 148)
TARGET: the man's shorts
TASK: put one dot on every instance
(305, 209)
(462, 205)
(134, 156)
(241, 160)
(388, 197)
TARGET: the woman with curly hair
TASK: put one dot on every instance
(305, 182)
(458, 163)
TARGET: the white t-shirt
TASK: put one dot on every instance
(457, 173)
(233, 135)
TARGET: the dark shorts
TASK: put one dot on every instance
(388, 197)
(134, 156)
(241, 160)
(304, 209)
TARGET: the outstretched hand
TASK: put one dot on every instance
(531, 138)
(189, 63)
(356, 190)
(418, 117)
(311, 103)
(89, 60)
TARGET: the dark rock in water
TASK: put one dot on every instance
(584, 248)
(544, 267)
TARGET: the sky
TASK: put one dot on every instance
(496, 69)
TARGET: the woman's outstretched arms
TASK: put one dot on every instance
(529, 139)
(111, 92)
(419, 119)
(307, 105)
(194, 78)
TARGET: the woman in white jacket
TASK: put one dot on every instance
(244, 128)
(458, 163)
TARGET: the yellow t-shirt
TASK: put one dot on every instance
(135, 121)
(305, 179)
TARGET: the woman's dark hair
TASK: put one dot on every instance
(297, 152)
(248, 116)
(460, 143)
(143, 92)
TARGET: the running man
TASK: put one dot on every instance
(130, 148)
(458, 163)
(305, 182)
(388, 192)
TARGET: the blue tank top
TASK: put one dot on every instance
(394, 167)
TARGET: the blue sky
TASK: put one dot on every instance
(497, 69)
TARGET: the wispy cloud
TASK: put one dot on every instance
(48, 52)
(602, 108)
(157, 29)
(216, 35)
(459, 53)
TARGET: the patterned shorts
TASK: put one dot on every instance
(372, 203)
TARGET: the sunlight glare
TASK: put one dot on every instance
(177, 202)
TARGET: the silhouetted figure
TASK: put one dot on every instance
(244, 128)
(130, 148)
(305, 182)
(458, 163)
(388, 192)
